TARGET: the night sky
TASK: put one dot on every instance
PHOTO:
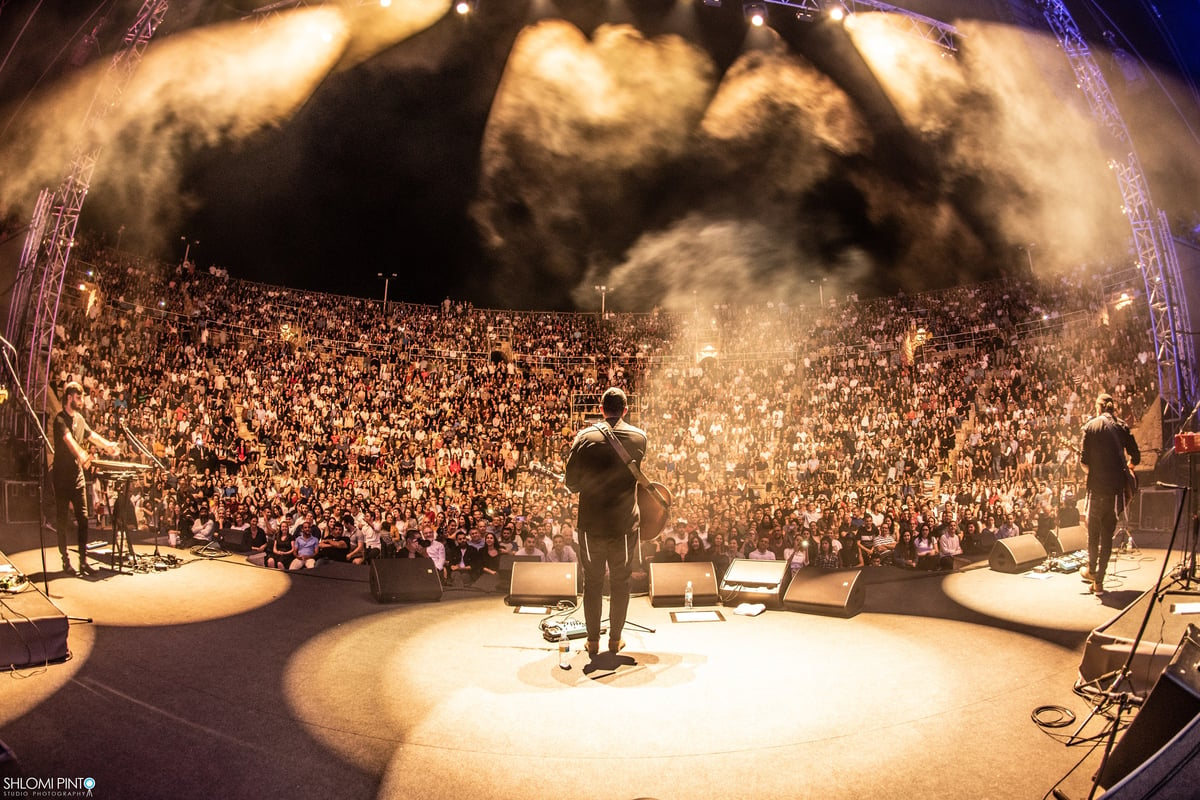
(522, 155)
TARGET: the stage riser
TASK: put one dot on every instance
(34, 631)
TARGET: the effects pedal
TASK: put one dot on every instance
(573, 628)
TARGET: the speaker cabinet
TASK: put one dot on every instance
(397, 580)
(835, 593)
(668, 583)
(750, 581)
(235, 540)
(543, 583)
(20, 501)
(1065, 540)
(1171, 708)
(504, 571)
(1017, 554)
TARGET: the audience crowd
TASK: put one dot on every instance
(900, 430)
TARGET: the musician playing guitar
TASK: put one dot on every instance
(1106, 442)
(601, 468)
(71, 432)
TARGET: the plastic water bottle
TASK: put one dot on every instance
(687, 595)
(564, 651)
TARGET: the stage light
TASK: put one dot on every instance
(464, 7)
(385, 3)
(837, 13)
(756, 14)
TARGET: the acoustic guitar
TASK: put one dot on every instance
(654, 502)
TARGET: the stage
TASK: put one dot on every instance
(220, 679)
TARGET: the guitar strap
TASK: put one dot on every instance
(607, 432)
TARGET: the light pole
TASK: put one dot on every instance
(386, 279)
(187, 250)
(603, 290)
(1028, 248)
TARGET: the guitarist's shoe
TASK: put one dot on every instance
(1085, 574)
(615, 645)
(592, 646)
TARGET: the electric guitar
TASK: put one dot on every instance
(654, 502)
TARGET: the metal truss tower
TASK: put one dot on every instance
(40, 277)
(1156, 256)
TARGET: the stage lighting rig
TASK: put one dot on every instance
(464, 7)
(756, 13)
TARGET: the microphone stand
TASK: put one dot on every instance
(148, 454)
(37, 424)
(1189, 564)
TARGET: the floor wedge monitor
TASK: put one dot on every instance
(397, 580)
(668, 583)
(834, 593)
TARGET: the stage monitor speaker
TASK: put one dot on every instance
(1172, 707)
(543, 583)
(398, 580)
(20, 501)
(1065, 540)
(235, 540)
(1017, 554)
(1156, 509)
(504, 571)
(669, 580)
(836, 593)
(750, 581)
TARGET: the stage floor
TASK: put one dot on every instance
(219, 679)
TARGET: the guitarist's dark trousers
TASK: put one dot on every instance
(1102, 523)
(70, 504)
(618, 553)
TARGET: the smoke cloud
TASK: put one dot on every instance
(629, 161)
(204, 88)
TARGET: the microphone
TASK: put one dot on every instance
(1163, 485)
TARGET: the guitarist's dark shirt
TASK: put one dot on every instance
(607, 489)
(1106, 440)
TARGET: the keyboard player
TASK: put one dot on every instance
(71, 437)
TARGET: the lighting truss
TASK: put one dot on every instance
(931, 30)
(1157, 260)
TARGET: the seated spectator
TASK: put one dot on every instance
(826, 558)
(1008, 528)
(283, 550)
(484, 560)
(561, 552)
(530, 548)
(904, 554)
(881, 548)
(763, 552)
(696, 550)
(949, 546)
(257, 537)
(334, 544)
(926, 546)
(850, 553)
(667, 553)
(413, 547)
(307, 543)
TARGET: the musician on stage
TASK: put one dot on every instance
(70, 434)
(609, 519)
(1106, 442)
